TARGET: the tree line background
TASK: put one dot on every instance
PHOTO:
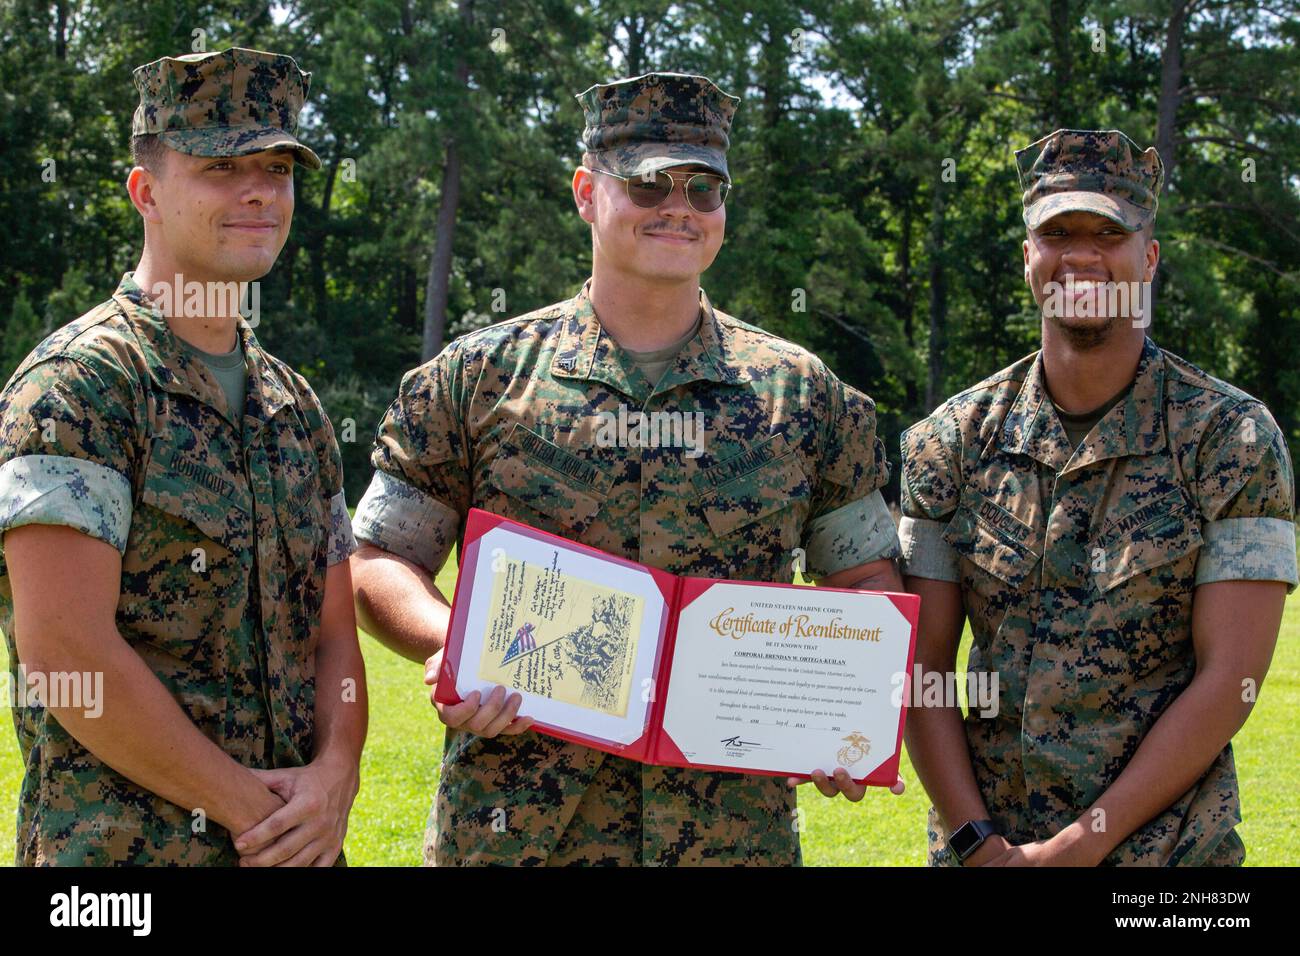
(872, 154)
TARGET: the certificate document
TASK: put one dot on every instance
(726, 675)
(557, 636)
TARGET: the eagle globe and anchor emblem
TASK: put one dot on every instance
(858, 747)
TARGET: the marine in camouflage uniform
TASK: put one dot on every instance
(507, 419)
(1078, 567)
(114, 429)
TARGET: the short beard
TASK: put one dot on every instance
(1084, 339)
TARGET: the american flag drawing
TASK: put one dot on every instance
(522, 643)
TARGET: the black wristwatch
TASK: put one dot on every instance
(969, 837)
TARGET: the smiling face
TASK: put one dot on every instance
(1070, 256)
(216, 218)
(670, 242)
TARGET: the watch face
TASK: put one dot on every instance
(964, 840)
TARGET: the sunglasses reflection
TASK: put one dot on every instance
(705, 192)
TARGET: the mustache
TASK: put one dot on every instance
(669, 228)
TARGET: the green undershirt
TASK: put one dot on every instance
(230, 372)
(1078, 426)
(655, 363)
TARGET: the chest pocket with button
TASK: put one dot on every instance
(762, 511)
(532, 485)
(182, 572)
(999, 545)
(1147, 577)
(300, 506)
(1000, 563)
(302, 519)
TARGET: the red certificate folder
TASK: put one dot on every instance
(664, 710)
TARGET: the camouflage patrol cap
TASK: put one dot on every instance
(643, 124)
(1086, 170)
(231, 103)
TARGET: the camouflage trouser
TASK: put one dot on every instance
(606, 827)
(533, 800)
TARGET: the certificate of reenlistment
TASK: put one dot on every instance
(804, 678)
(726, 675)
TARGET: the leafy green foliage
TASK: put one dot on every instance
(876, 217)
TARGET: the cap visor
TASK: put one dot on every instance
(1117, 211)
(650, 158)
(237, 141)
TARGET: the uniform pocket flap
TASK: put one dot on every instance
(762, 492)
(564, 464)
(302, 519)
(190, 490)
(545, 492)
(1145, 539)
(991, 538)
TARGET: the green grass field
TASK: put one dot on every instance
(399, 772)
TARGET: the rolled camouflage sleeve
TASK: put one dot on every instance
(851, 524)
(1245, 489)
(421, 489)
(67, 451)
(928, 497)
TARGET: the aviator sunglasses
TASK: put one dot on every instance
(705, 192)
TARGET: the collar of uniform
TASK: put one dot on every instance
(586, 351)
(175, 370)
(266, 391)
(710, 355)
(1133, 427)
(1136, 426)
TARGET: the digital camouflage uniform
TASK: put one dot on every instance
(225, 523)
(1078, 569)
(507, 419)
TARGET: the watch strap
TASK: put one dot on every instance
(969, 837)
